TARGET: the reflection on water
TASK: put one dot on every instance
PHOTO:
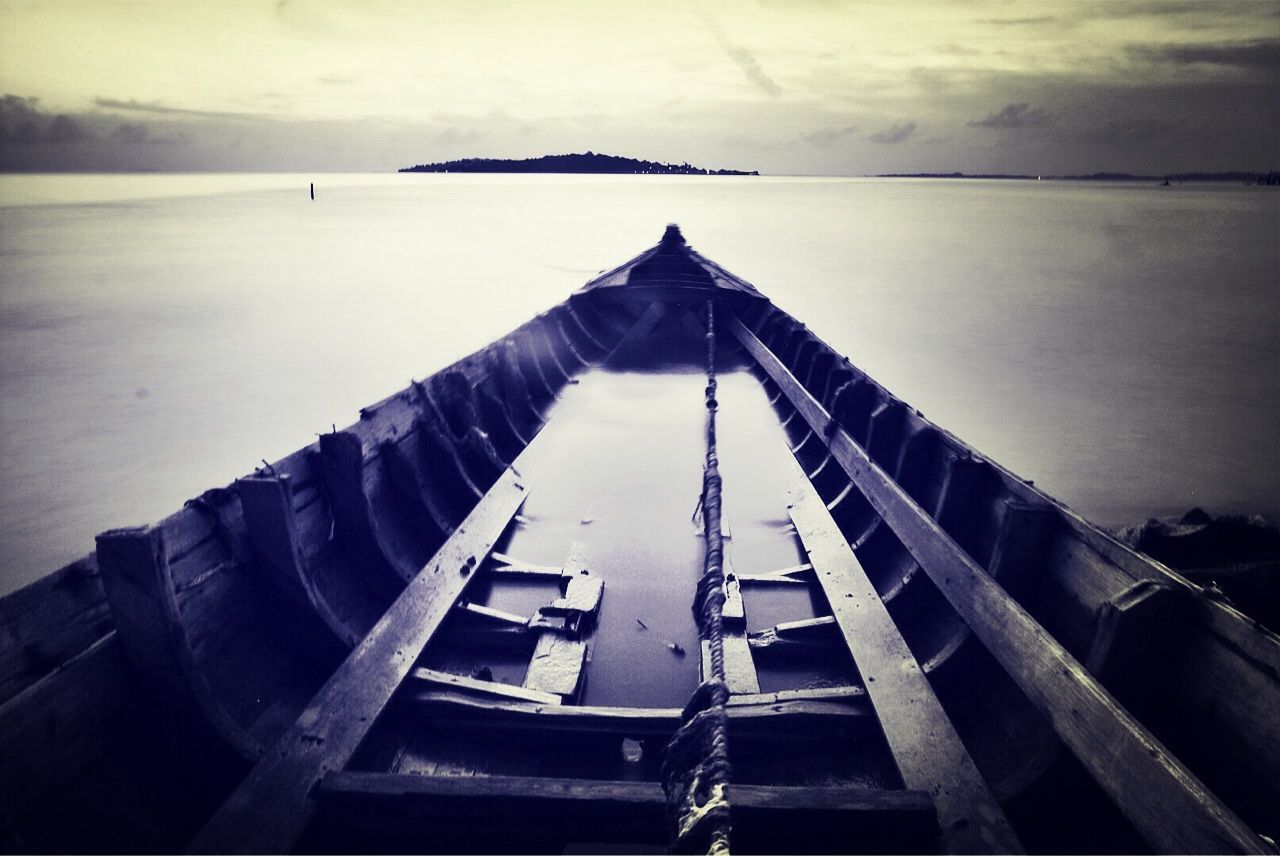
(161, 334)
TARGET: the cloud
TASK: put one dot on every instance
(1021, 115)
(138, 134)
(160, 109)
(1259, 54)
(1018, 22)
(458, 137)
(744, 59)
(894, 134)
(829, 136)
(1131, 132)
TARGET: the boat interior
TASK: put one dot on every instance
(464, 624)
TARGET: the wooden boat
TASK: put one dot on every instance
(463, 624)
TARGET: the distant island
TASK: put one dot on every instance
(1234, 177)
(590, 162)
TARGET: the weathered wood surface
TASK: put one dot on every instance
(556, 666)
(739, 666)
(509, 814)
(56, 726)
(837, 706)
(273, 532)
(926, 748)
(496, 616)
(507, 565)
(272, 805)
(44, 624)
(153, 630)
(490, 688)
(558, 660)
(1155, 791)
(794, 575)
(745, 797)
(644, 324)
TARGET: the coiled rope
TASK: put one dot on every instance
(695, 766)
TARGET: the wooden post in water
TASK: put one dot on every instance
(313, 191)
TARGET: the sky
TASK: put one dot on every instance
(795, 87)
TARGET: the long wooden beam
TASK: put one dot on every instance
(1168, 805)
(273, 804)
(600, 791)
(410, 813)
(925, 746)
(835, 707)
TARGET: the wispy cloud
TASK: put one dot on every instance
(1018, 22)
(829, 136)
(138, 134)
(161, 109)
(1259, 54)
(744, 59)
(894, 134)
(1020, 115)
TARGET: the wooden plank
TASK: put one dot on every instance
(583, 593)
(804, 625)
(556, 666)
(745, 797)
(739, 666)
(734, 611)
(1156, 792)
(507, 565)
(490, 614)
(59, 726)
(461, 682)
(784, 576)
(840, 707)
(805, 633)
(925, 745)
(642, 327)
(835, 707)
(49, 621)
(273, 804)
(799, 695)
(558, 660)
(495, 814)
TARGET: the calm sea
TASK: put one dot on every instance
(160, 334)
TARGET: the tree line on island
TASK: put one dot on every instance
(590, 162)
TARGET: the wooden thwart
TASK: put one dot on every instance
(785, 576)
(1163, 800)
(273, 804)
(491, 688)
(506, 565)
(839, 706)
(597, 791)
(925, 746)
